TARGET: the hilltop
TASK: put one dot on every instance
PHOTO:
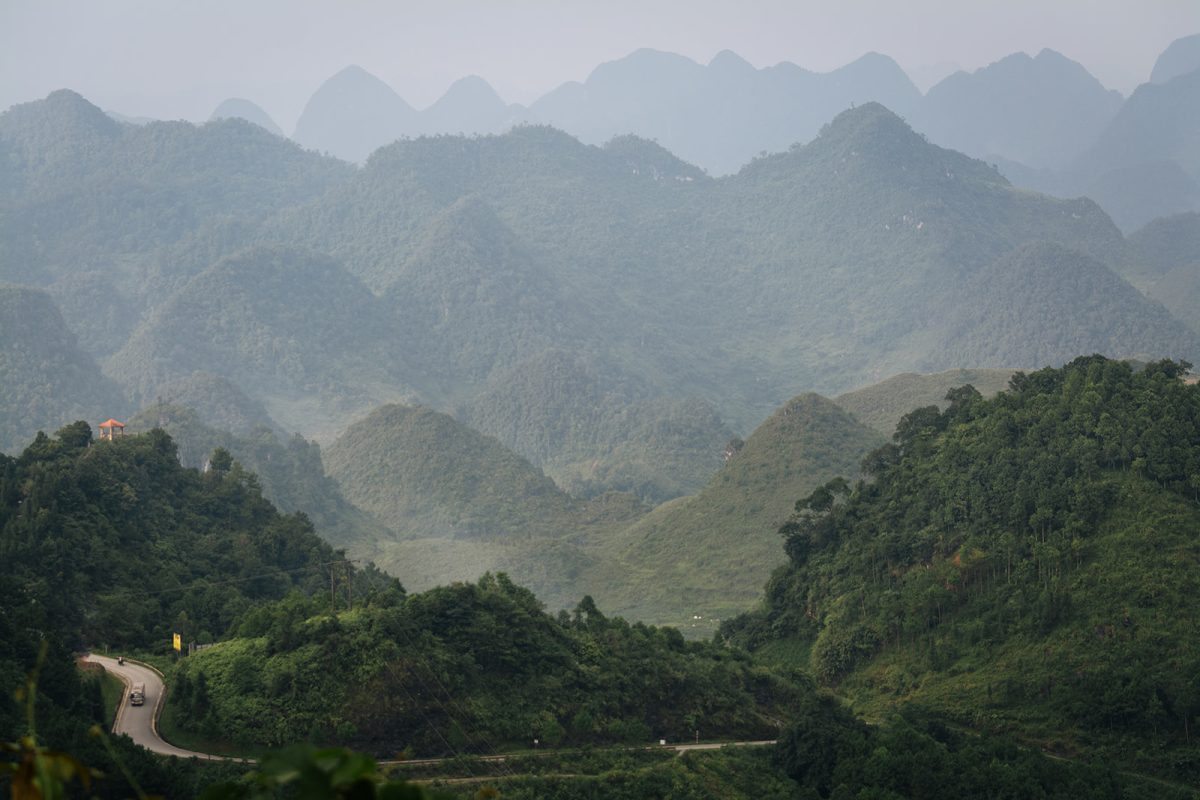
(291, 327)
(708, 554)
(593, 429)
(1041, 111)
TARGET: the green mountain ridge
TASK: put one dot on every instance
(593, 429)
(1168, 264)
(289, 470)
(1063, 303)
(273, 320)
(46, 380)
(1019, 564)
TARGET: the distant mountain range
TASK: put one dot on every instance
(560, 335)
(1044, 120)
(436, 271)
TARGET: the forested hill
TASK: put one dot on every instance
(706, 555)
(114, 544)
(46, 379)
(1023, 563)
(857, 255)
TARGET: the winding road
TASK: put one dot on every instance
(140, 723)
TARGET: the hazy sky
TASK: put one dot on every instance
(171, 59)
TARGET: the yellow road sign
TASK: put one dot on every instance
(178, 643)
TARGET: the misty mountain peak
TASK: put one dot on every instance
(1181, 57)
(470, 105)
(728, 61)
(239, 108)
(352, 114)
(64, 109)
(473, 87)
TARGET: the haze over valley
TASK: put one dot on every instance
(807, 410)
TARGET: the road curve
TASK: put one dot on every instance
(140, 723)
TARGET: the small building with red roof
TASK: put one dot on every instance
(111, 429)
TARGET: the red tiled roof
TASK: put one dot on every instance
(112, 423)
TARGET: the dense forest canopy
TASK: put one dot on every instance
(1021, 563)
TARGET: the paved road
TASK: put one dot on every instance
(140, 723)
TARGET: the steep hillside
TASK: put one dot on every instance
(472, 299)
(459, 504)
(117, 216)
(115, 543)
(1166, 264)
(1166, 243)
(46, 380)
(1022, 563)
(292, 328)
(1063, 303)
(1181, 57)
(707, 555)
(1155, 130)
(288, 470)
(422, 473)
(473, 669)
(881, 405)
(218, 401)
(594, 429)
(1042, 111)
(722, 291)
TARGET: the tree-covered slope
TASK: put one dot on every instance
(292, 328)
(717, 290)
(1022, 563)
(422, 472)
(470, 669)
(94, 196)
(218, 401)
(113, 541)
(594, 429)
(708, 554)
(1043, 303)
(115, 544)
(882, 405)
(46, 380)
(289, 470)
(472, 299)
(459, 503)
(1166, 264)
